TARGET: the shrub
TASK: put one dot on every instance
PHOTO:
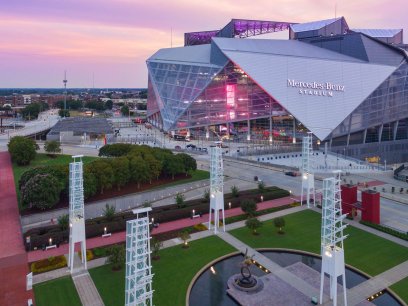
(100, 252)
(261, 186)
(206, 195)
(22, 150)
(185, 236)
(156, 245)
(180, 200)
(116, 256)
(279, 222)
(387, 230)
(253, 224)
(64, 113)
(115, 150)
(58, 171)
(63, 221)
(249, 207)
(48, 264)
(234, 191)
(89, 255)
(52, 147)
(200, 227)
(41, 191)
(109, 212)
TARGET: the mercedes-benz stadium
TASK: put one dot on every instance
(348, 87)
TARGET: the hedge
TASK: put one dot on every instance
(387, 230)
(51, 263)
(95, 227)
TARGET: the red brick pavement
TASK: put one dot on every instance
(163, 227)
(13, 258)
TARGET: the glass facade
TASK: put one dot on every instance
(176, 86)
(383, 114)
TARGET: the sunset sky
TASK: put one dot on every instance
(111, 39)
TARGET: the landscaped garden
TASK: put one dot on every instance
(365, 251)
(172, 273)
(59, 292)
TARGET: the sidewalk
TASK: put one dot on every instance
(13, 258)
(163, 227)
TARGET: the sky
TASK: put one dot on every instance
(105, 43)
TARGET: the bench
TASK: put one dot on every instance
(54, 246)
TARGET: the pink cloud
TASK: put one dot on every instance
(115, 37)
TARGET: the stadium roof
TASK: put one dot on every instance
(314, 25)
(379, 32)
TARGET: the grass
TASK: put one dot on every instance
(59, 292)
(401, 288)
(365, 251)
(44, 160)
(196, 175)
(172, 273)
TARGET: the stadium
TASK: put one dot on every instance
(348, 87)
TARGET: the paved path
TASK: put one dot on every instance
(374, 285)
(86, 289)
(163, 227)
(13, 258)
(276, 269)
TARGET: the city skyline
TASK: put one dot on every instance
(106, 43)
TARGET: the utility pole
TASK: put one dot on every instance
(65, 92)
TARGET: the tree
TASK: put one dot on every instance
(90, 183)
(279, 223)
(108, 104)
(121, 172)
(253, 224)
(64, 113)
(60, 172)
(124, 110)
(154, 165)
(173, 165)
(71, 104)
(185, 236)
(139, 171)
(63, 221)
(52, 147)
(234, 191)
(32, 110)
(189, 162)
(109, 212)
(261, 186)
(249, 207)
(116, 150)
(206, 195)
(22, 150)
(116, 257)
(156, 245)
(103, 173)
(41, 191)
(179, 200)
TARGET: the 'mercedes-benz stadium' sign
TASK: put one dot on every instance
(325, 89)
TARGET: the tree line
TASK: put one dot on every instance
(42, 187)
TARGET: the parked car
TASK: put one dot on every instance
(178, 148)
(191, 146)
(291, 173)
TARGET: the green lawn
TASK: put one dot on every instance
(364, 251)
(196, 175)
(172, 273)
(43, 160)
(59, 292)
(401, 288)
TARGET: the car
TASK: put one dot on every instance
(291, 173)
(191, 146)
(204, 150)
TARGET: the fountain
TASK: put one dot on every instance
(245, 281)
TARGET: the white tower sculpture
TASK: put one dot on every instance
(76, 211)
(307, 177)
(216, 189)
(138, 287)
(332, 237)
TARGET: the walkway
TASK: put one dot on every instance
(164, 227)
(13, 257)
(278, 271)
(374, 285)
(86, 289)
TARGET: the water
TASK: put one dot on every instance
(210, 289)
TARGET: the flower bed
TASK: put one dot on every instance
(51, 263)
